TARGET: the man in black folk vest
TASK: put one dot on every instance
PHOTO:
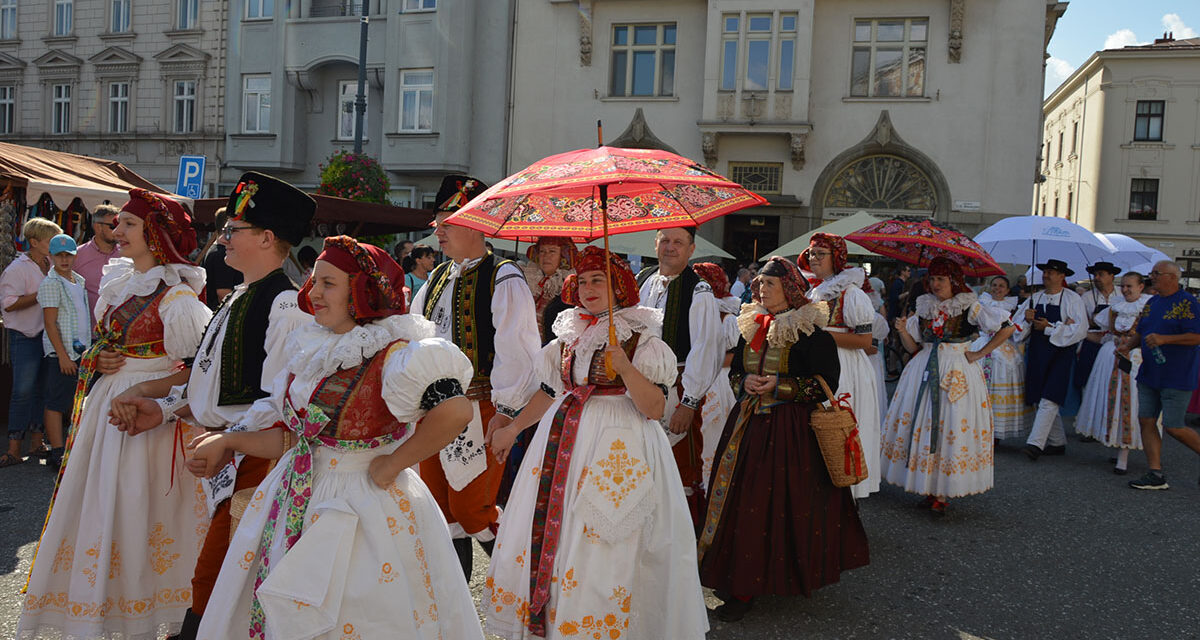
(692, 328)
(482, 304)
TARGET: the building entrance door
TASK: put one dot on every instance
(749, 236)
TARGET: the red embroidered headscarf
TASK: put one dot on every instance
(375, 279)
(794, 284)
(715, 277)
(951, 269)
(569, 252)
(167, 226)
(624, 284)
(836, 246)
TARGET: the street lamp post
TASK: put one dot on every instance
(360, 100)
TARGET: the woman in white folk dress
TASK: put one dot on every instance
(1109, 408)
(937, 437)
(851, 320)
(126, 520)
(342, 539)
(1004, 369)
(597, 540)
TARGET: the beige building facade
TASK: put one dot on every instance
(914, 107)
(1121, 147)
(137, 81)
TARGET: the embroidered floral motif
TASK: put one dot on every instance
(348, 632)
(439, 391)
(1181, 311)
(114, 562)
(954, 383)
(619, 475)
(64, 558)
(568, 582)
(386, 574)
(159, 544)
(93, 554)
(610, 626)
(246, 560)
(502, 599)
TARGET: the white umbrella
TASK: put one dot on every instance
(1035, 239)
(843, 227)
(1131, 253)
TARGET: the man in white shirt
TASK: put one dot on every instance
(482, 304)
(692, 328)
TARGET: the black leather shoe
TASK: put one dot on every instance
(1032, 451)
(734, 610)
(191, 625)
(466, 555)
(1055, 450)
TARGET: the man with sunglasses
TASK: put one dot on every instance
(92, 255)
(241, 353)
(1169, 332)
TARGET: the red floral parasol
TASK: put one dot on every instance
(641, 189)
(918, 243)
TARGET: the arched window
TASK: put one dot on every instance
(882, 183)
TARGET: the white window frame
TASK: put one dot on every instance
(260, 9)
(413, 6)
(118, 106)
(60, 108)
(120, 16)
(403, 196)
(183, 105)
(737, 39)
(260, 124)
(408, 88)
(8, 109)
(906, 45)
(8, 19)
(63, 19)
(346, 118)
(662, 50)
(187, 15)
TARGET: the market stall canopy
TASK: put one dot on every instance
(842, 227)
(66, 176)
(341, 216)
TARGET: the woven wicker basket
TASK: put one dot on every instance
(837, 435)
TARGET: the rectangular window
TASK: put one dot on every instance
(1074, 137)
(256, 104)
(1055, 206)
(348, 92)
(185, 106)
(756, 47)
(256, 9)
(420, 5)
(888, 58)
(120, 16)
(416, 100)
(643, 60)
(1148, 126)
(60, 114)
(1070, 203)
(8, 19)
(8, 103)
(1060, 145)
(189, 14)
(118, 107)
(1143, 199)
(759, 177)
(787, 51)
(63, 17)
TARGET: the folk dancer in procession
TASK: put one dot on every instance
(851, 320)
(1102, 294)
(692, 328)
(775, 524)
(937, 438)
(1054, 321)
(1004, 368)
(550, 262)
(597, 539)
(1108, 412)
(719, 400)
(243, 349)
(879, 334)
(127, 521)
(482, 304)
(343, 539)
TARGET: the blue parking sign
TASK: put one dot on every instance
(191, 176)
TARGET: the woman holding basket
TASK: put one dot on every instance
(776, 524)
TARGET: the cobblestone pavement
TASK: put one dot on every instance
(1061, 548)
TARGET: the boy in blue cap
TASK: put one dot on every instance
(63, 298)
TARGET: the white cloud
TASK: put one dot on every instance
(1173, 23)
(1057, 70)
(1122, 38)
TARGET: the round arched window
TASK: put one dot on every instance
(882, 182)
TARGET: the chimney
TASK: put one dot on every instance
(1168, 36)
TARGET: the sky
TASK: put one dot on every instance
(1091, 25)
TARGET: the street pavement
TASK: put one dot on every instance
(1061, 548)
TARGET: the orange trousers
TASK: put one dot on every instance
(474, 507)
(251, 472)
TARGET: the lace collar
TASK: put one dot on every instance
(1009, 304)
(318, 352)
(576, 331)
(786, 328)
(540, 283)
(1124, 307)
(121, 281)
(834, 286)
(928, 305)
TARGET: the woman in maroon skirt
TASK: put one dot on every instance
(776, 525)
